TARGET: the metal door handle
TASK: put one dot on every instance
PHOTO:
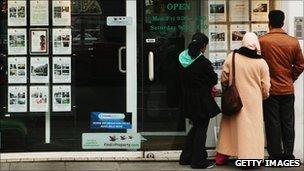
(151, 65)
(120, 60)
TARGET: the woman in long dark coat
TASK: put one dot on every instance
(197, 104)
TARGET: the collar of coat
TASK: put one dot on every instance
(248, 53)
(277, 30)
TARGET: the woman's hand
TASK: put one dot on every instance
(213, 91)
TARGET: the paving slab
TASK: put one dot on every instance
(4, 166)
(60, 166)
(77, 166)
(149, 166)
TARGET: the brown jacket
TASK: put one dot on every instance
(284, 57)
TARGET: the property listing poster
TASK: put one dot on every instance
(16, 13)
(62, 98)
(239, 10)
(61, 13)
(61, 70)
(39, 41)
(16, 70)
(17, 99)
(301, 42)
(39, 13)
(17, 41)
(218, 37)
(260, 10)
(39, 98)
(217, 59)
(259, 29)
(39, 70)
(62, 41)
(237, 32)
(217, 10)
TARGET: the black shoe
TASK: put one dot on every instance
(278, 157)
(288, 157)
(206, 165)
(183, 162)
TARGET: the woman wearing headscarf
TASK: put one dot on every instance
(197, 104)
(242, 134)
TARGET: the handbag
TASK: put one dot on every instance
(231, 100)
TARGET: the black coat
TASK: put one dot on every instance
(197, 81)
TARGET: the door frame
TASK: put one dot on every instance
(131, 50)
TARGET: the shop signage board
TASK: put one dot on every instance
(111, 141)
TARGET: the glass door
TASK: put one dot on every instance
(100, 85)
(104, 64)
(167, 29)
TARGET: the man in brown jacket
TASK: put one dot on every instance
(286, 63)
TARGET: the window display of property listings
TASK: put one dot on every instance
(16, 13)
(61, 13)
(61, 98)
(17, 99)
(229, 21)
(39, 13)
(17, 70)
(39, 70)
(17, 41)
(62, 41)
(39, 41)
(39, 98)
(39, 78)
(61, 70)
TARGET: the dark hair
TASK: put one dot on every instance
(198, 40)
(276, 18)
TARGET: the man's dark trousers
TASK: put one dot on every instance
(279, 123)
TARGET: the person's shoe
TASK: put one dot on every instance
(288, 157)
(221, 159)
(183, 162)
(210, 165)
(279, 157)
(206, 165)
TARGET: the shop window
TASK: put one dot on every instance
(87, 16)
(86, 6)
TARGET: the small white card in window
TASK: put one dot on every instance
(119, 21)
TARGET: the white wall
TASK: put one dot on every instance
(294, 8)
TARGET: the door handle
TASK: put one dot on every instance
(151, 65)
(120, 60)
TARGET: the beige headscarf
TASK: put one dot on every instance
(251, 41)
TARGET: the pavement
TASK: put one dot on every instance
(140, 166)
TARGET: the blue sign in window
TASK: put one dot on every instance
(101, 120)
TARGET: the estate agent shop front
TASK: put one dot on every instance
(98, 78)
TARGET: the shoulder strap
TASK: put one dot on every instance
(200, 55)
(233, 68)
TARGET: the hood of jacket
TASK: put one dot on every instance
(185, 59)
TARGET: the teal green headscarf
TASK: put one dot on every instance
(185, 59)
